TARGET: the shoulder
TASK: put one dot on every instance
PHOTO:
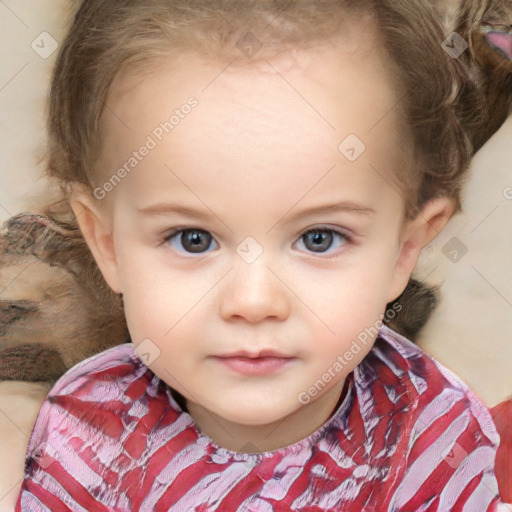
(116, 362)
(94, 421)
(96, 397)
(438, 435)
(426, 382)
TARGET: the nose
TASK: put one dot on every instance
(254, 292)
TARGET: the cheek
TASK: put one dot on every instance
(341, 306)
(148, 308)
(355, 285)
(161, 306)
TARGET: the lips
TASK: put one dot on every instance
(256, 355)
(241, 363)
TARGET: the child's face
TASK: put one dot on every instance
(258, 151)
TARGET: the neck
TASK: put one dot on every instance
(271, 436)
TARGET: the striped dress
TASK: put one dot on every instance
(408, 435)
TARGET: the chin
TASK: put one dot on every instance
(253, 416)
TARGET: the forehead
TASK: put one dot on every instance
(321, 73)
(286, 112)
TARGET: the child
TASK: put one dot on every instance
(257, 180)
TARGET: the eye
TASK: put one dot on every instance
(193, 240)
(319, 240)
(198, 241)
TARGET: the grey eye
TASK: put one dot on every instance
(320, 240)
(191, 240)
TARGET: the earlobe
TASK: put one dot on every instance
(95, 225)
(415, 235)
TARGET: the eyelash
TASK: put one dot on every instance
(346, 237)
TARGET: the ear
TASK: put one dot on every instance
(416, 234)
(96, 227)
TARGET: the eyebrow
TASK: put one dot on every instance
(341, 206)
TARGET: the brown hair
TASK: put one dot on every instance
(449, 106)
(443, 103)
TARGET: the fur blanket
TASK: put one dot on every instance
(56, 309)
